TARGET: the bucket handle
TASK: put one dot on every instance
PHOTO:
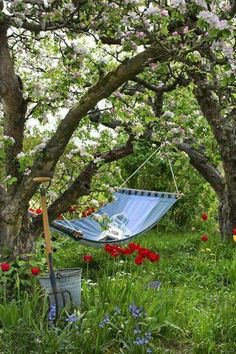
(61, 274)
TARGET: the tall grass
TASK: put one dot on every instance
(192, 310)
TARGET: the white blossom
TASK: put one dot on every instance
(151, 10)
(94, 203)
(8, 139)
(168, 114)
(97, 159)
(20, 155)
(178, 4)
(201, 3)
(213, 20)
(27, 171)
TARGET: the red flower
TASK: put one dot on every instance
(134, 246)
(153, 257)
(108, 248)
(88, 212)
(5, 267)
(59, 217)
(71, 209)
(87, 258)
(35, 270)
(204, 238)
(204, 216)
(144, 252)
(127, 251)
(234, 231)
(38, 211)
(138, 260)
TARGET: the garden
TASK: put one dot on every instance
(117, 177)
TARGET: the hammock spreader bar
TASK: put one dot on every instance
(132, 213)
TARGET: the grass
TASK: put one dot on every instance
(193, 310)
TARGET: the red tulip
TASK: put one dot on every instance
(38, 211)
(204, 216)
(87, 258)
(134, 246)
(144, 252)
(234, 231)
(153, 257)
(5, 267)
(204, 238)
(138, 260)
(35, 270)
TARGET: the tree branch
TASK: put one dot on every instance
(202, 164)
(210, 107)
(81, 185)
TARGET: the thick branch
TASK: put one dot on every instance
(202, 164)
(2, 197)
(210, 107)
(46, 162)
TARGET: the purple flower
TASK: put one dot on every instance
(105, 320)
(154, 284)
(72, 318)
(52, 312)
(117, 310)
(137, 330)
(143, 340)
(136, 311)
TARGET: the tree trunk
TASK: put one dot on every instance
(16, 240)
(227, 206)
(227, 216)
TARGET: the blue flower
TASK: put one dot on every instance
(154, 284)
(137, 330)
(105, 320)
(117, 310)
(136, 311)
(52, 312)
(72, 318)
(143, 340)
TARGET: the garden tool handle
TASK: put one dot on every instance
(47, 233)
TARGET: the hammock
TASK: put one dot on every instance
(132, 213)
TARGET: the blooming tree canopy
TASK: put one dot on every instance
(66, 70)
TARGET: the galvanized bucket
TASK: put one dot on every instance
(68, 285)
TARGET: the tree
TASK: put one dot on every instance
(60, 59)
(208, 70)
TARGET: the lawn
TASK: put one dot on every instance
(184, 303)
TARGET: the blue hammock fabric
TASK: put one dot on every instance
(132, 211)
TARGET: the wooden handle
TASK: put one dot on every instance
(47, 233)
(41, 179)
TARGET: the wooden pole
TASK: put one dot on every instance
(47, 236)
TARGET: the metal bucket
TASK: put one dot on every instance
(68, 285)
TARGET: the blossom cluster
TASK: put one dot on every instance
(141, 252)
(213, 20)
